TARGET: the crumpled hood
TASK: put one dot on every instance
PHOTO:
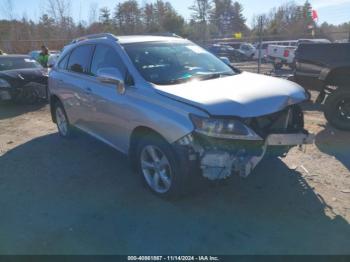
(243, 95)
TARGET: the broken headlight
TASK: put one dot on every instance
(223, 128)
(4, 84)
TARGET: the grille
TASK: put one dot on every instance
(290, 120)
(231, 146)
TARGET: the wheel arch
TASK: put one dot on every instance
(339, 76)
(137, 134)
(53, 100)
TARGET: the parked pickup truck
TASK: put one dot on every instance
(281, 55)
(326, 68)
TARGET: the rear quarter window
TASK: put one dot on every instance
(63, 63)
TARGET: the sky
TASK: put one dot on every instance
(331, 11)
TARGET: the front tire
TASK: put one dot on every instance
(337, 109)
(160, 168)
(62, 122)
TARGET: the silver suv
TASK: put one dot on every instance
(176, 110)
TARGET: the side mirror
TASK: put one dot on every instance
(112, 76)
(225, 60)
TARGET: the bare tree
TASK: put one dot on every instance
(201, 10)
(93, 13)
(59, 9)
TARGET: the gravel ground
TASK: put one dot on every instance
(81, 197)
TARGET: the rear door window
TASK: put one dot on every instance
(80, 58)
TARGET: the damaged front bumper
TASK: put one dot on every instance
(27, 93)
(220, 159)
(5, 95)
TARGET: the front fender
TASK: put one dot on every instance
(166, 116)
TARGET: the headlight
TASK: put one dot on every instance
(223, 128)
(4, 84)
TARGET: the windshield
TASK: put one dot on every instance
(13, 63)
(173, 63)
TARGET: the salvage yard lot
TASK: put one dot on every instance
(81, 197)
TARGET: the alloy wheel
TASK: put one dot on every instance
(156, 169)
(344, 109)
(62, 122)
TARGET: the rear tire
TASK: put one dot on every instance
(278, 66)
(292, 65)
(65, 130)
(160, 168)
(337, 109)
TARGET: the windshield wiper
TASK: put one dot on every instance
(179, 80)
(212, 76)
(200, 77)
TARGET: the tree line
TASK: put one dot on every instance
(210, 19)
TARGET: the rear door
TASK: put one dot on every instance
(75, 89)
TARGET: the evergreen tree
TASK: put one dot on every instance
(221, 17)
(128, 17)
(149, 15)
(238, 21)
(201, 10)
(105, 16)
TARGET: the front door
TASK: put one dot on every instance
(110, 106)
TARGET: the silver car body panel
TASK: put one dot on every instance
(99, 110)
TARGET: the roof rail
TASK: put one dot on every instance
(167, 34)
(95, 36)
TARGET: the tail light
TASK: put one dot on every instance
(286, 53)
